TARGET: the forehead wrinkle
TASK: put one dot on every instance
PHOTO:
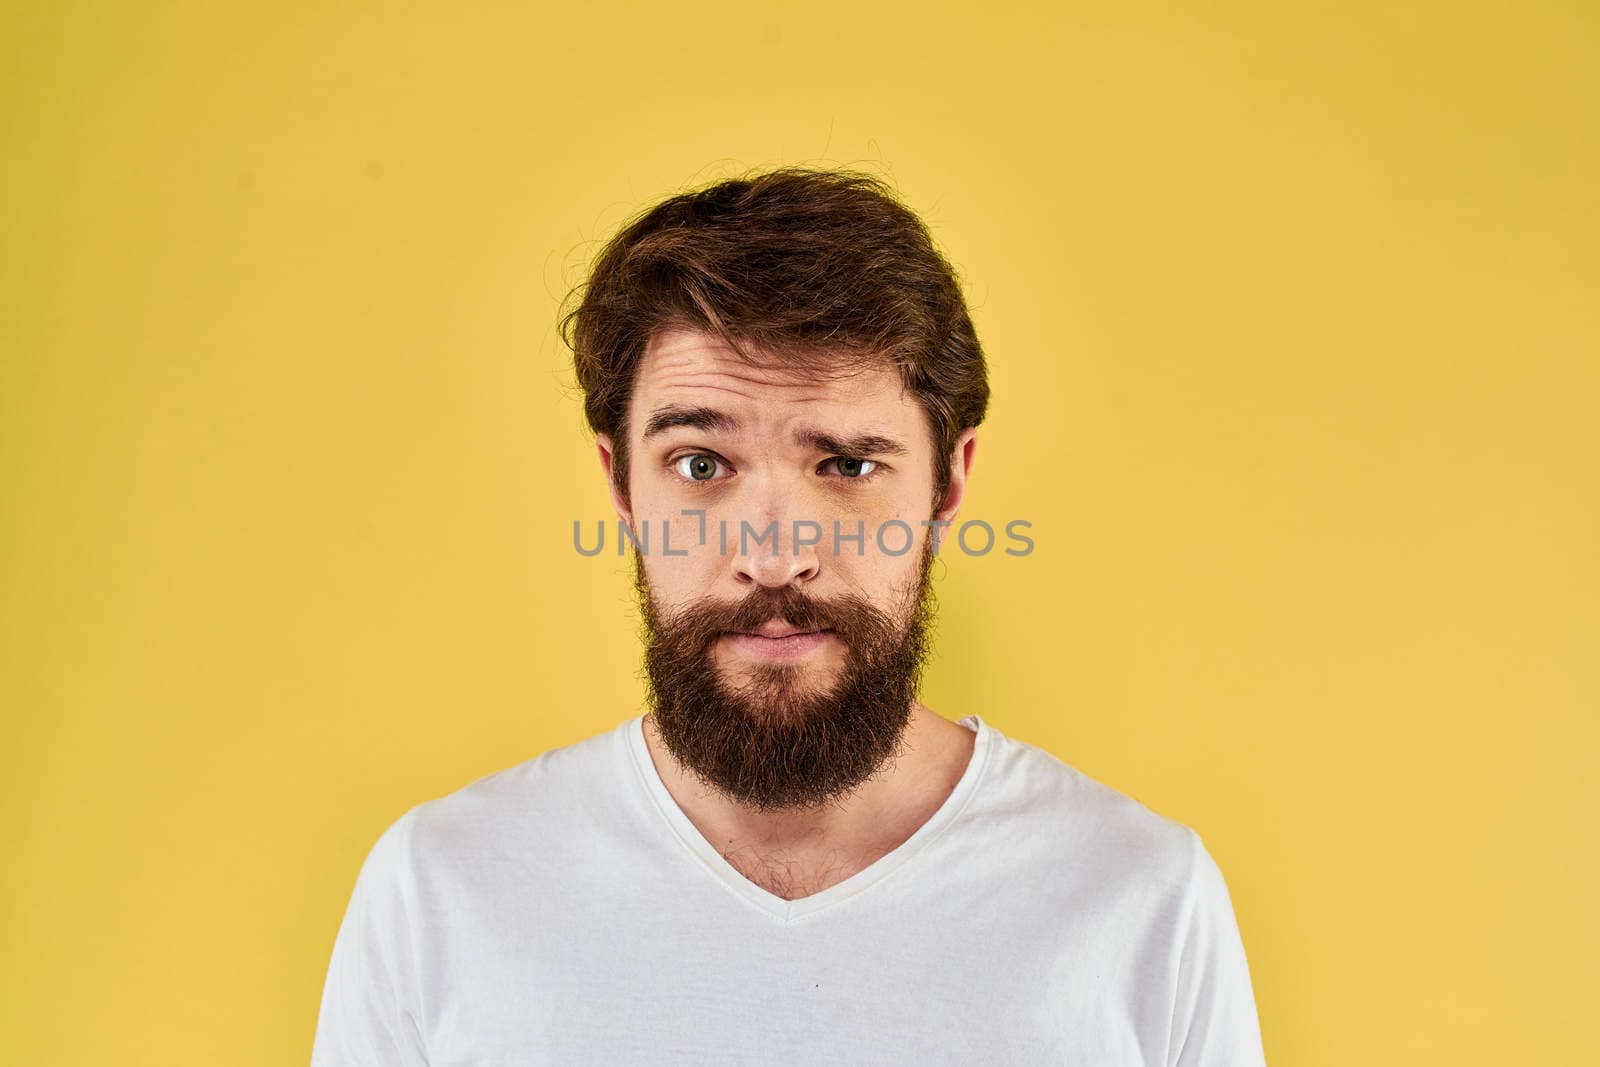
(730, 378)
(692, 374)
(690, 387)
(680, 393)
(714, 378)
(693, 354)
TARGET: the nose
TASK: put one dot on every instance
(778, 554)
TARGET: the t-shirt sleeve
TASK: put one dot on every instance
(368, 1015)
(1214, 1018)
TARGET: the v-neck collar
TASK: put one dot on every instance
(713, 862)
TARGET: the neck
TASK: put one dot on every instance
(797, 852)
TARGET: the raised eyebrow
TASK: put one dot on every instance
(697, 418)
(855, 445)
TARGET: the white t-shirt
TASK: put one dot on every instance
(567, 911)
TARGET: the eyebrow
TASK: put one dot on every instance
(854, 445)
(696, 418)
(711, 420)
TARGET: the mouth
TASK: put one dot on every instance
(777, 640)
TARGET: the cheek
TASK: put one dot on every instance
(674, 577)
(904, 508)
(896, 580)
(658, 515)
(678, 567)
(881, 577)
(893, 536)
(873, 508)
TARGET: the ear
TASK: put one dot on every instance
(960, 468)
(607, 449)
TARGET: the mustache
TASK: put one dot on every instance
(787, 604)
(701, 622)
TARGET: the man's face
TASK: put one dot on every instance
(781, 671)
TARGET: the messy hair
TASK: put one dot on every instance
(808, 267)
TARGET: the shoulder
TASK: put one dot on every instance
(536, 807)
(557, 780)
(1058, 816)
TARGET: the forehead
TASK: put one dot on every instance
(683, 365)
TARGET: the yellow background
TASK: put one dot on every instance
(1293, 328)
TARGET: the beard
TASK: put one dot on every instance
(777, 741)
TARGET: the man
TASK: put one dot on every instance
(789, 859)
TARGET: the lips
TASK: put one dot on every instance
(774, 629)
(778, 641)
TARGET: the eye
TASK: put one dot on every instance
(851, 467)
(697, 466)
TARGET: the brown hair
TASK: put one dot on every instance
(809, 266)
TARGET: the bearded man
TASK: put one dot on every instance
(788, 858)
